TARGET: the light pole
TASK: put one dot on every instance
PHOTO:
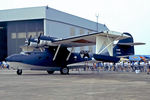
(97, 16)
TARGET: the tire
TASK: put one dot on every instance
(50, 72)
(64, 70)
(19, 71)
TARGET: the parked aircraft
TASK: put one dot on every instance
(55, 56)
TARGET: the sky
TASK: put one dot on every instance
(131, 16)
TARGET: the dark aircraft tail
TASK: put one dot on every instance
(124, 47)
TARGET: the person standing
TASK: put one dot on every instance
(148, 70)
(0, 64)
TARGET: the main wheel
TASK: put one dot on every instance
(50, 72)
(19, 71)
(64, 70)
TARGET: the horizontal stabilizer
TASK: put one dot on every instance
(131, 44)
(106, 58)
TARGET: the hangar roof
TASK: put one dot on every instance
(22, 14)
(48, 14)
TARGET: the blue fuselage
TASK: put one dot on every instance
(45, 58)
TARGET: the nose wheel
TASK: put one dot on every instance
(64, 70)
(19, 71)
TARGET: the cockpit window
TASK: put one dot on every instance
(26, 53)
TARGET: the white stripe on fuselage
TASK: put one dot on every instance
(19, 65)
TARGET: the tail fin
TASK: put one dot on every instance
(124, 47)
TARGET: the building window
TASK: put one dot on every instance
(81, 31)
(40, 32)
(72, 31)
(33, 34)
(22, 35)
(13, 35)
(89, 31)
(91, 49)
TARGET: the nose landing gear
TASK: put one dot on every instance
(19, 71)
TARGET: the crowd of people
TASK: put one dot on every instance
(4, 65)
(106, 66)
(119, 67)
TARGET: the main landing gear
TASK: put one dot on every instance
(19, 71)
(64, 70)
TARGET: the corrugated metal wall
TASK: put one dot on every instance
(19, 30)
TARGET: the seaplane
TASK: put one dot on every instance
(56, 54)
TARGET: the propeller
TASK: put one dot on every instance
(38, 41)
(45, 39)
(28, 40)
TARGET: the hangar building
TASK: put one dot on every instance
(18, 24)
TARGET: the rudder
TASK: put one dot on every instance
(124, 47)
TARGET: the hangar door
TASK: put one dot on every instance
(3, 41)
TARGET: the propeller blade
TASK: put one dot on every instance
(29, 40)
(39, 38)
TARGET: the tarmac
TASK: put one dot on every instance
(38, 85)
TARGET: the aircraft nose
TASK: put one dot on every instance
(9, 58)
(12, 58)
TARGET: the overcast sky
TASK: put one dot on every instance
(131, 16)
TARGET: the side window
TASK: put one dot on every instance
(13, 35)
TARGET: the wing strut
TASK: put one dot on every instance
(69, 54)
(107, 41)
(57, 51)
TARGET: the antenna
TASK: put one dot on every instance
(97, 16)
(47, 7)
